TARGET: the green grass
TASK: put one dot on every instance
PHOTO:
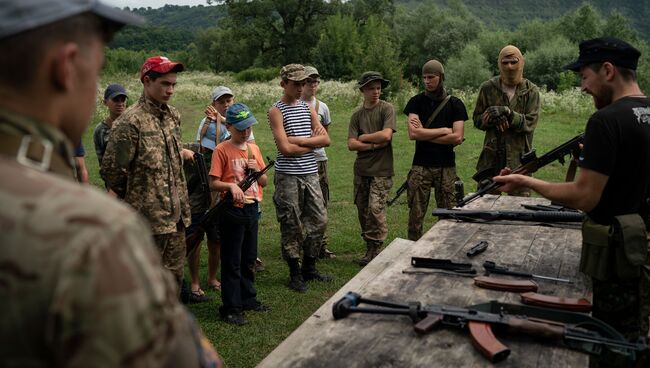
(562, 118)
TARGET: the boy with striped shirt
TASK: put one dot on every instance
(298, 198)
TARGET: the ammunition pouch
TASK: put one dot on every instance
(614, 252)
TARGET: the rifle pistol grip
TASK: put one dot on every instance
(428, 323)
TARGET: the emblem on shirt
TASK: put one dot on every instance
(642, 114)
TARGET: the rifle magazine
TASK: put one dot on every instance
(549, 301)
(485, 341)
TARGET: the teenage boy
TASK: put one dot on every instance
(370, 134)
(143, 162)
(309, 96)
(298, 198)
(115, 101)
(434, 161)
(238, 221)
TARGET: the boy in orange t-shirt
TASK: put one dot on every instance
(238, 220)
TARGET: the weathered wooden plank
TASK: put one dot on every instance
(389, 341)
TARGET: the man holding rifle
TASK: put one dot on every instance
(611, 187)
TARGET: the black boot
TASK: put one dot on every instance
(309, 271)
(296, 281)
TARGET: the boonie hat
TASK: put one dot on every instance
(220, 91)
(17, 16)
(370, 76)
(310, 70)
(160, 64)
(209, 140)
(114, 90)
(240, 116)
(294, 72)
(602, 49)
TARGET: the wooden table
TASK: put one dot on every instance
(365, 340)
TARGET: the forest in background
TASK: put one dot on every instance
(344, 38)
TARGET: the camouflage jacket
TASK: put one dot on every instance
(143, 164)
(81, 281)
(518, 138)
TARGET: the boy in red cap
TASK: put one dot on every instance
(143, 162)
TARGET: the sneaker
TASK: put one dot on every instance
(297, 283)
(259, 266)
(327, 254)
(257, 307)
(234, 318)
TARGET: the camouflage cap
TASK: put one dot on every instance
(310, 70)
(294, 72)
(370, 76)
(17, 16)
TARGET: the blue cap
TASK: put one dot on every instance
(114, 90)
(17, 16)
(240, 116)
(209, 140)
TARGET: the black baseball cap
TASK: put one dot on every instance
(17, 16)
(602, 49)
(114, 90)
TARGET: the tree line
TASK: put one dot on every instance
(343, 39)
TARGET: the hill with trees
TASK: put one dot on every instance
(345, 38)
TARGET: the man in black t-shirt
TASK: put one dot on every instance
(434, 160)
(613, 181)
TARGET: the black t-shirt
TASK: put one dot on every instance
(430, 154)
(617, 144)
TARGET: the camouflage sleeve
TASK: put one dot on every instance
(115, 305)
(526, 122)
(120, 151)
(481, 105)
(97, 141)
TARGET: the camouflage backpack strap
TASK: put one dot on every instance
(35, 153)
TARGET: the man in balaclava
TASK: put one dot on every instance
(435, 123)
(507, 109)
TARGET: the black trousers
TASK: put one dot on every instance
(238, 228)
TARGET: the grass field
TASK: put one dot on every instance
(563, 116)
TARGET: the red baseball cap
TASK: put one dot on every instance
(160, 64)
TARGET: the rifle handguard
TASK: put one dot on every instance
(555, 302)
(515, 286)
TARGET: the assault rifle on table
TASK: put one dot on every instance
(529, 164)
(573, 330)
(399, 192)
(194, 239)
(491, 215)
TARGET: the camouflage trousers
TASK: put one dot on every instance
(421, 180)
(370, 194)
(172, 251)
(301, 213)
(324, 182)
(624, 305)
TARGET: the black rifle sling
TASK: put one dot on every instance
(436, 111)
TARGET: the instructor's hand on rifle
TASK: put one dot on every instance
(509, 181)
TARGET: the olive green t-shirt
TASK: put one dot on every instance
(378, 162)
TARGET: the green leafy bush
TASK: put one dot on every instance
(257, 74)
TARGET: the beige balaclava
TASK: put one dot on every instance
(435, 67)
(514, 76)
